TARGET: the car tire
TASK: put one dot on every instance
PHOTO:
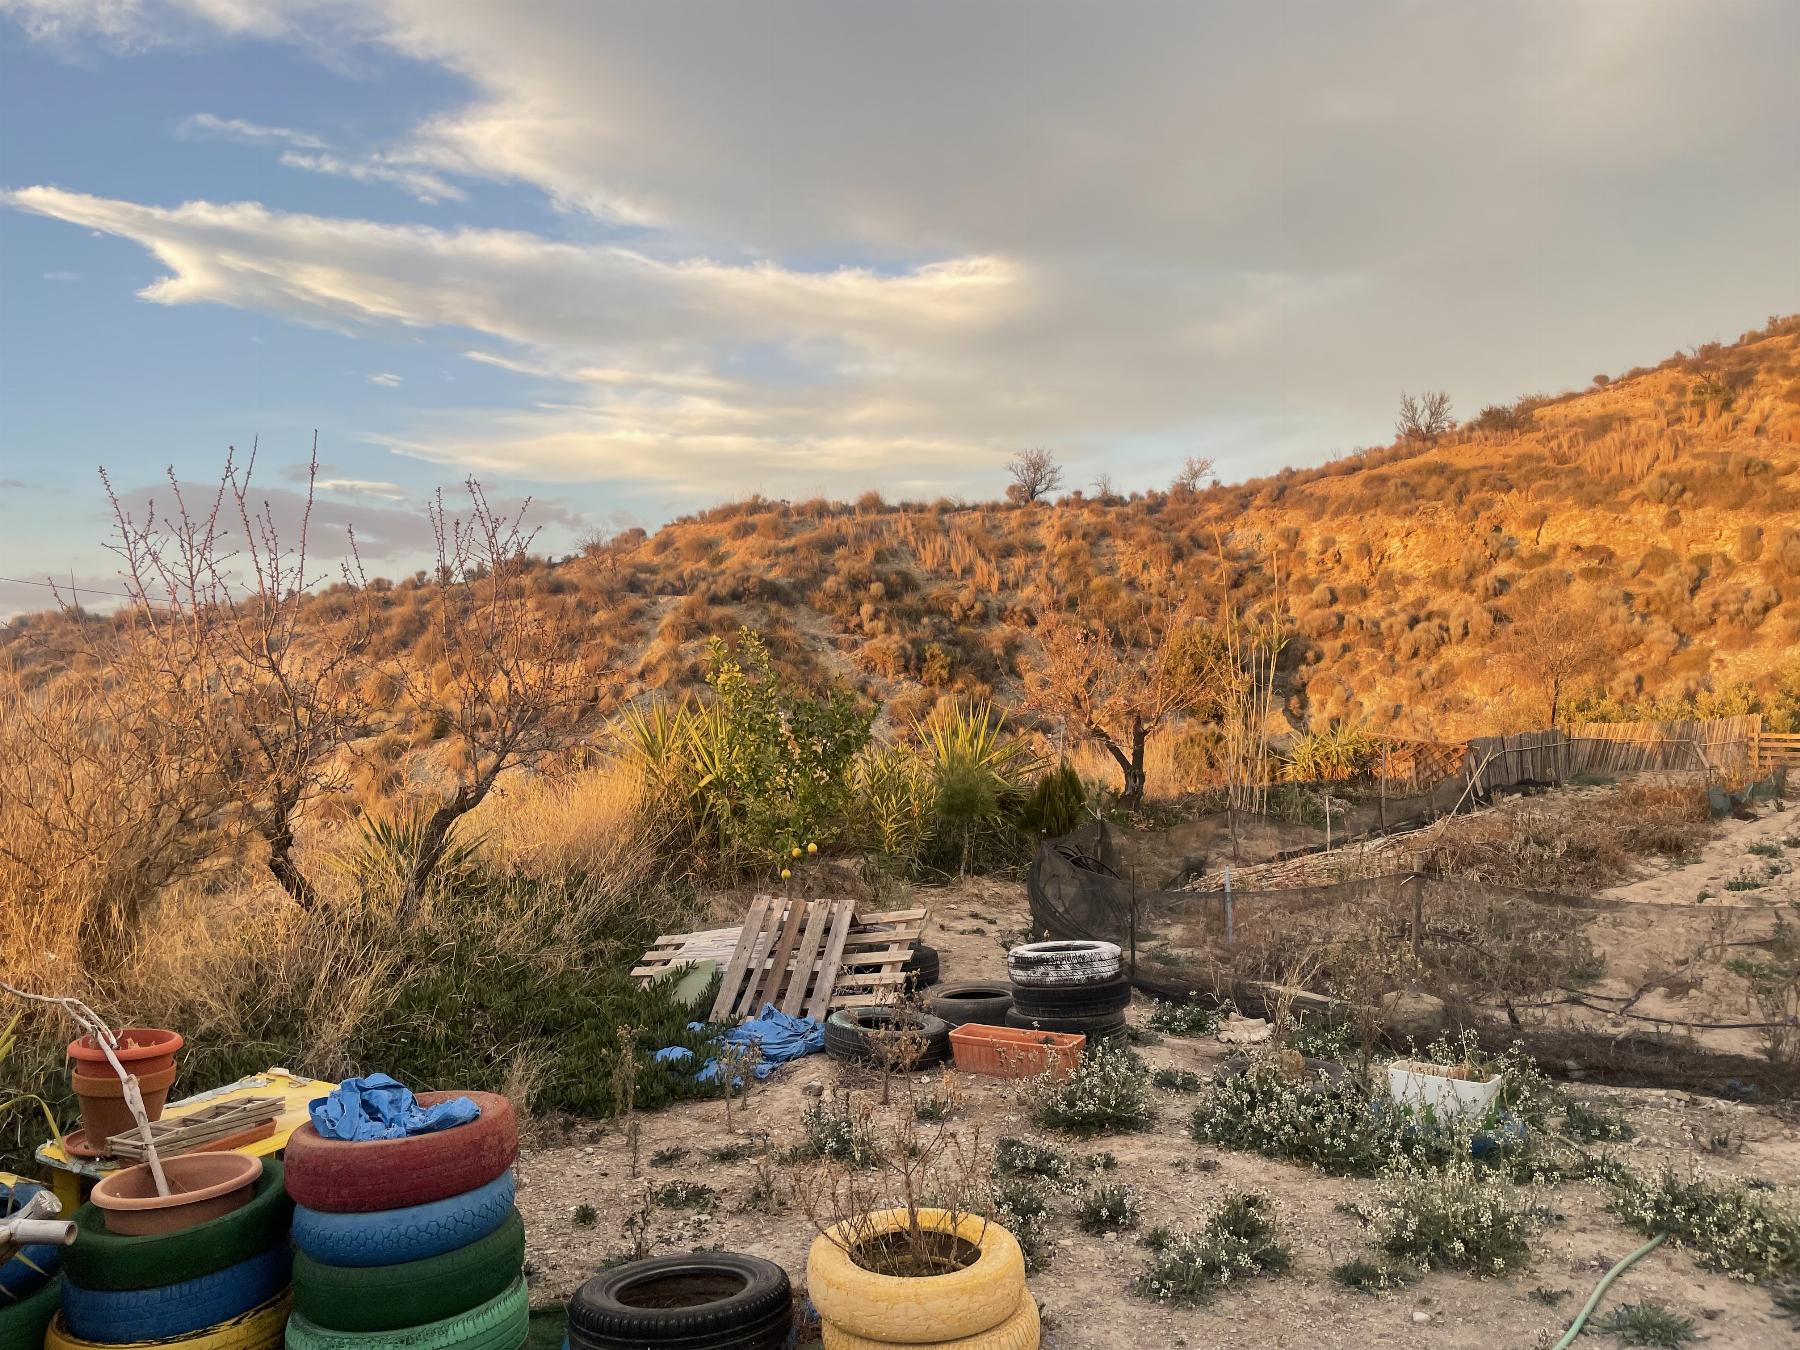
(259, 1329)
(121, 1316)
(1074, 1000)
(1041, 964)
(1021, 1331)
(960, 1303)
(1111, 1027)
(389, 1298)
(395, 1236)
(343, 1176)
(973, 1002)
(502, 1323)
(864, 1035)
(665, 1301)
(103, 1260)
(922, 969)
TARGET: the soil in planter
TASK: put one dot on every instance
(911, 1255)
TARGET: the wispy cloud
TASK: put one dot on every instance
(208, 126)
(420, 183)
(386, 379)
(362, 487)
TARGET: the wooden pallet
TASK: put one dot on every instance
(175, 1135)
(808, 957)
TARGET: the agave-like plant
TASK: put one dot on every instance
(381, 857)
(1333, 754)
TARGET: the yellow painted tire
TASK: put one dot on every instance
(1018, 1332)
(259, 1329)
(926, 1310)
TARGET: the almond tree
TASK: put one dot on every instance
(1035, 473)
(1102, 684)
(501, 673)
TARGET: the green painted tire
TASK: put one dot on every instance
(23, 1324)
(499, 1324)
(103, 1260)
(387, 1298)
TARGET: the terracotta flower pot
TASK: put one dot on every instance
(202, 1186)
(141, 1050)
(102, 1097)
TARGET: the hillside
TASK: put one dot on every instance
(1656, 516)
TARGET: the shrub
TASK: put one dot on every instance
(1109, 1209)
(1184, 1019)
(1030, 1158)
(1337, 1127)
(833, 1135)
(1237, 1242)
(1728, 1226)
(1464, 1217)
(1023, 1209)
(687, 1195)
(1056, 804)
(1109, 1092)
(1593, 1124)
(1326, 1037)
(1176, 1080)
(1649, 1324)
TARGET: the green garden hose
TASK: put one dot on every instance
(1587, 1309)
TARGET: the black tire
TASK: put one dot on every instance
(1042, 964)
(707, 1301)
(863, 1035)
(973, 1002)
(1073, 1000)
(922, 969)
(1111, 1027)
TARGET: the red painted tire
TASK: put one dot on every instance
(357, 1177)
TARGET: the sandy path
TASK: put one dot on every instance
(1724, 859)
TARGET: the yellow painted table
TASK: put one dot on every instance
(70, 1177)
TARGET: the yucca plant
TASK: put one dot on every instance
(382, 855)
(978, 774)
(1338, 752)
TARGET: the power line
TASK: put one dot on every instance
(72, 589)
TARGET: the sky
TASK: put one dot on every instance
(632, 259)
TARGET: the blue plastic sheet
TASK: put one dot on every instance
(783, 1037)
(378, 1107)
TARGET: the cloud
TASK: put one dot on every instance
(362, 487)
(385, 380)
(209, 126)
(861, 252)
(428, 187)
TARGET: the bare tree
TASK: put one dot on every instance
(1103, 487)
(229, 612)
(503, 675)
(1194, 473)
(1104, 685)
(1425, 417)
(1557, 639)
(1035, 473)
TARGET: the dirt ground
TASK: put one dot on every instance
(1084, 1294)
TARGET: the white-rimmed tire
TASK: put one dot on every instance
(1046, 964)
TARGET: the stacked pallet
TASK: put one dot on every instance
(807, 957)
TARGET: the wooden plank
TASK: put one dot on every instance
(818, 917)
(843, 911)
(740, 958)
(890, 917)
(784, 952)
(746, 1004)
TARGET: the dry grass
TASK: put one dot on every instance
(586, 822)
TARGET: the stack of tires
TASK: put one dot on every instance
(409, 1242)
(707, 1301)
(222, 1283)
(1076, 987)
(972, 1003)
(30, 1282)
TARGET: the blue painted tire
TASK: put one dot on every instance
(387, 1237)
(115, 1316)
(31, 1267)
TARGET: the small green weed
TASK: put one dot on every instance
(586, 1216)
(1022, 1206)
(1594, 1124)
(835, 1136)
(668, 1157)
(687, 1195)
(1766, 848)
(1031, 1158)
(1464, 1217)
(1727, 1225)
(1176, 1080)
(1371, 1277)
(1325, 1038)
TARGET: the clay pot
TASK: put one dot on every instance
(202, 1186)
(103, 1109)
(141, 1050)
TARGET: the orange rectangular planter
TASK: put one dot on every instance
(1015, 1052)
